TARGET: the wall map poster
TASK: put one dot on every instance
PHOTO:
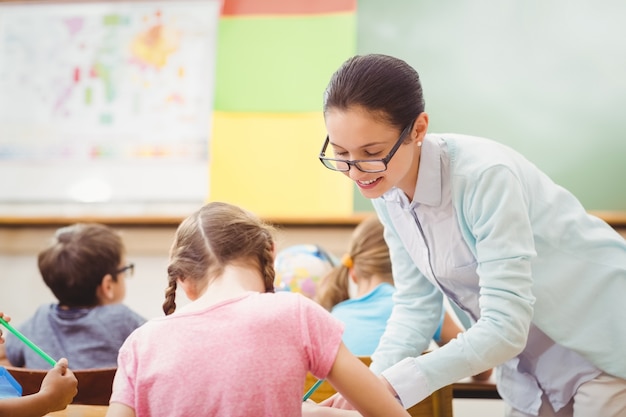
(106, 102)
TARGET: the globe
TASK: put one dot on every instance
(299, 268)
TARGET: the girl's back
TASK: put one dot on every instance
(244, 356)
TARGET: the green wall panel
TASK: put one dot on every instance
(280, 64)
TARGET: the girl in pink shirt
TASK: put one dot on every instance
(238, 349)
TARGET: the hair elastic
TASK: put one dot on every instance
(346, 261)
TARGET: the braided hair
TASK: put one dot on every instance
(213, 237)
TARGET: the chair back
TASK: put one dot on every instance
(94, 385)
(438, 404)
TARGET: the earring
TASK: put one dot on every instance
(419, 144)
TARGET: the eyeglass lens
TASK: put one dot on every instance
(129, 269)
(375, 165)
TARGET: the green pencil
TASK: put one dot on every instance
(28, 343)
(312, 389)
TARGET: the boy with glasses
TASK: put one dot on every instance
(85, 268)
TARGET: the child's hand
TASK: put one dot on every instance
(59, 386)
(7, 319)
(308, 406)
(311, 409)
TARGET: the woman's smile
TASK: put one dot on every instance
(368, 184)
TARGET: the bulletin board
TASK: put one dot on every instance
(106, 103)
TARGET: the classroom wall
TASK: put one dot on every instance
(545, 82)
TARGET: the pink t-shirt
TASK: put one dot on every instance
(243, 357)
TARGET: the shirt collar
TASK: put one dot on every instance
(428, 187)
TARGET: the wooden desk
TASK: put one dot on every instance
(438, 404)
(79, 410)
(468, 388)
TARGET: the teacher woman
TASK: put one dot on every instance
(542, 280)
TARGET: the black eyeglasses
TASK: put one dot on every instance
(130, 268)
(363, 165)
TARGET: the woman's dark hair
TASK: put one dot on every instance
(381, 84)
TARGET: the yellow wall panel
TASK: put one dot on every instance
(267, 163)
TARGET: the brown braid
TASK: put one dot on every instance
(267, 264)
(169, 306)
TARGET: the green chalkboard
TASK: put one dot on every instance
(546, 78)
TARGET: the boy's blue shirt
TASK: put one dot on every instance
(88, 338)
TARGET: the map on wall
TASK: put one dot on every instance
(106, 102)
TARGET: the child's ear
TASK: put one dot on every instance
(352, 275)
(105, 290)
(189, 287)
